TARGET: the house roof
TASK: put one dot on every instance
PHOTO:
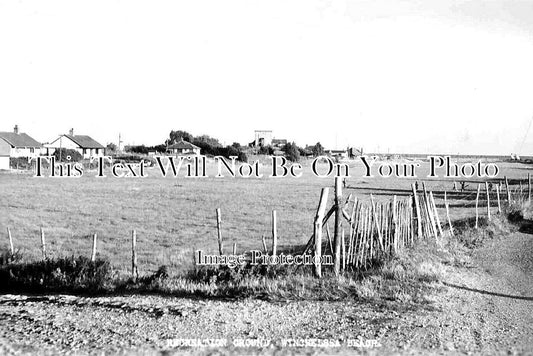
(84, 141)
(19, 140)
(182, 145)
(337, 151)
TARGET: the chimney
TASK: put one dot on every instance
(16, 129)
(71, 132)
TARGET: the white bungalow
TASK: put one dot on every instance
(16, 144)
(84, 144)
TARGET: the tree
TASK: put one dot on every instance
(111, 147)
(206, 139)
(175, 136)
(266, 150)
(318, 150)
(140, 149)
(292, 153)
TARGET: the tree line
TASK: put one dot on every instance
(211, 146)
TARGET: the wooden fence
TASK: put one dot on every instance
(364, 231)
(369, 231)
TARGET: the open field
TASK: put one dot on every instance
(174, 215)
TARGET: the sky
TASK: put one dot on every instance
(415, 76)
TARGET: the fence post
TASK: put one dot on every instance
(498, 198)
(338, 225)
(134, 269)
(429, 210)
(448, 214)
(274, 234)
(343, 242)
(376, 222)
(488, 199)
(318, 231)
(477, 202)
(93, 254)
(508, 191)
(43, 244)
(529, 188)
(219, 232)
(395, 224)
(11, 248)
(264, 244)
(436, 213)
(417, 210)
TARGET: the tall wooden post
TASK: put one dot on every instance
(338, 225)
(274, 234)
(11, 248)
(488, 199)
(477, 203)
(43, 244)
(93, 254)
(417, 210)
(318, 231)
(219, 232)
(134, 269)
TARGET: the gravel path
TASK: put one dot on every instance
(484, 309)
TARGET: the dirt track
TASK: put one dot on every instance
(486, 308)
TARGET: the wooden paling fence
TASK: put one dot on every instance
(367, 231)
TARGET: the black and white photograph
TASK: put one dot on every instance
(266, 177)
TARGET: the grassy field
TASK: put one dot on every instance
(172, 216)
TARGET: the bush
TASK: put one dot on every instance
(243, 157)
(20, 163)
(140, 149)
(6, 257)
(70, 274)
(63, 153)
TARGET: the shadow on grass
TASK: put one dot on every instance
(526, 227)
(486, 292)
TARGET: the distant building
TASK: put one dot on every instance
(263, 138)
(183, 148)
(16, 144)
(5, 149)
(337, 153)
(84, 144)
(279, 142)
